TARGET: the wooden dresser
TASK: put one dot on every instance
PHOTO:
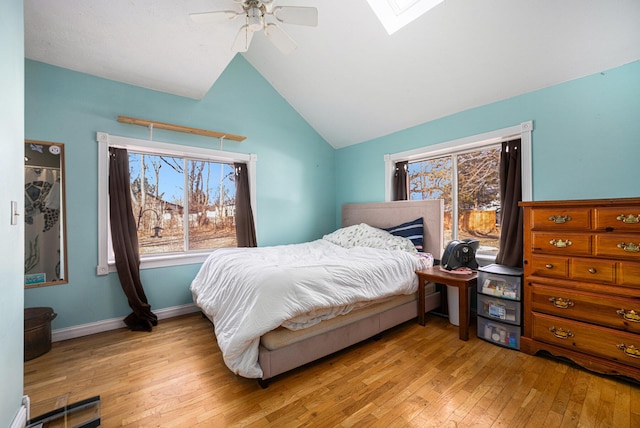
(582, 283)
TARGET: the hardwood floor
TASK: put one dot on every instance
(413, 376)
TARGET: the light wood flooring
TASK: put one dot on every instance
(414, 376)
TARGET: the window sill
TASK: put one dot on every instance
(485, 259)
(158, 261)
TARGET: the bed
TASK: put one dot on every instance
(322, 311)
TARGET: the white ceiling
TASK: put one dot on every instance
(348, 78)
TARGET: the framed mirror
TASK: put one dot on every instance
(45, 258)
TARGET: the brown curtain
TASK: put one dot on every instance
(401, 181)
(510, 253)
(245, 228)
(125, 242)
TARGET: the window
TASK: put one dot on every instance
(464, 173)
(159, 209)
(469, 184)
(395, 14)
(183, 200)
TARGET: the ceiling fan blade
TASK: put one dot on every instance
(296, 15)
(215, 16)
(214, 10)
(243, 39)
(280, 39)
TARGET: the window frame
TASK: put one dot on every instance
(466, 144)
(106, 263)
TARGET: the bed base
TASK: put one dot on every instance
(277, 361)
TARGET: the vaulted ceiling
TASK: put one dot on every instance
(348, 78)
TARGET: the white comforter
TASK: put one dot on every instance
(250, 291)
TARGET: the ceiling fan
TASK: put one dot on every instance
(257, 15)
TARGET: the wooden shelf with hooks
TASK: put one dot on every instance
(180, 128)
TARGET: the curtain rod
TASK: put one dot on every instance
(179, 128)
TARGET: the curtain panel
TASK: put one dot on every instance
(245, 226)
(401, 181)
(511, 234)
(124, 235)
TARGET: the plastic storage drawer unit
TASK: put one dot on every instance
(500, 281)
(499, 306)
(501, 334)
(503, 310)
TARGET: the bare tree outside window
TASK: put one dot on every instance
(212, 205)
(431, 179)
(477, 193)
(208, 203)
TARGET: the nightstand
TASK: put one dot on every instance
(463, 281)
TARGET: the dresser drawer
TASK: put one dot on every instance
(618, 218)
(629, 274)
(561, 218)
(617, 246)
(594, 270)
(561, 243)
(619, 313)
(549, 266)
(586, 338)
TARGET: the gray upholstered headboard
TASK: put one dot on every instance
(387, 214)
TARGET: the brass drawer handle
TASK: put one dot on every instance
(560, 243)
(629, 315)
(560, 333)
(559, 219)
(592, 270)
(549, 266)
(630, 350)
(561, 303)
(629, 219)
(630, 247)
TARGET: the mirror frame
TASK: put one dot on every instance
(64, 268)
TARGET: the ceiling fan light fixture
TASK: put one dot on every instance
(254, 19)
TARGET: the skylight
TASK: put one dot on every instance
(395, 14)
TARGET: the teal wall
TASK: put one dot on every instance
(295, 171)
(12, 189)
(585, 145)
(586, 140)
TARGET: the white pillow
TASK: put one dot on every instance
(363, 235)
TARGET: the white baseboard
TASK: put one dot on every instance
(115, 323)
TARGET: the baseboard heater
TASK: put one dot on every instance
(82, 414)
(21, 418)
